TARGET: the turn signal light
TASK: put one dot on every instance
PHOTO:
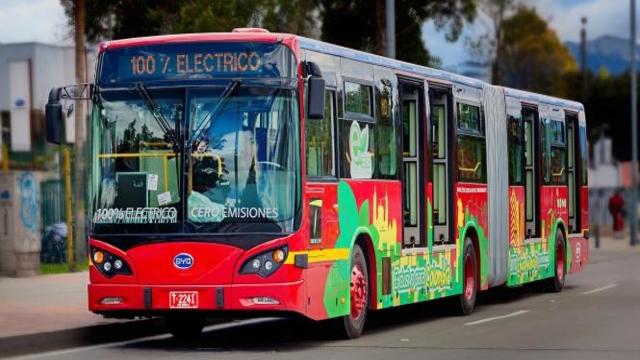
(278, 255)
(98, 257)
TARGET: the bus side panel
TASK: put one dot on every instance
(471, 211)
(369, 210)
(538, 255)
(553, 211)
(518, 252)
(322, 234)
(373, 210)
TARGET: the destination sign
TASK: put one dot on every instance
(195, 61)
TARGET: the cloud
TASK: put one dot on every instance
(32, 20)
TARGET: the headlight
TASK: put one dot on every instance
(109, 264)
(266, 263)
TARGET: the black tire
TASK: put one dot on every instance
(348, 326)
(466, 302)
(185, 326)
(556, 283)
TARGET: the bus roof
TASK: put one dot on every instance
(424, 71)
(196, 37)
(336, 50)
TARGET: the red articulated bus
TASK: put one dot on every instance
(260, 173)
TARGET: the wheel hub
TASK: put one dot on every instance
(469, 278)
(560, 263)
(358, 292)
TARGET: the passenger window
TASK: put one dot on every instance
(386, 150)
(469, 118)
(438, 132)
(471, 152)
(516, 148)
(357, 98)
(554, 152)
(319, 141)
(583, 155)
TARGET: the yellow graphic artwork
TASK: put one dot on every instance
(516, 237)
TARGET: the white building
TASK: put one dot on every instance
(605, 177)
(27, 72)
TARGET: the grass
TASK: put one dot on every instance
(48, 269)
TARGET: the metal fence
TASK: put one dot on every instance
(54, 228)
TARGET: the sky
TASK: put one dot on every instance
(44, 21)
(605, 17)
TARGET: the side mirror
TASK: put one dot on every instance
(54, 117)
(315, 93)
(315, 103)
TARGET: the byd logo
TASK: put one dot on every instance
(183, 261)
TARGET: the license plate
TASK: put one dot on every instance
(183, 299)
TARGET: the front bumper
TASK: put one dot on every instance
(145, 299)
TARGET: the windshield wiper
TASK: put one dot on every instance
(208, 119)
(157, 115)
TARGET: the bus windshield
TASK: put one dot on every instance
(196, 138)
(238, 148)
(244, 160)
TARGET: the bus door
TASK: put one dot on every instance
(413, 199)
(573, 150)
(441, 115)
(532, 180)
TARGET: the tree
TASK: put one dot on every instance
(291, 16)
(359, 24)
(530, 55)
(207, 15)
(117, 19)
(484, 47)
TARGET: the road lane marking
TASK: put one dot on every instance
(517, 313)
(599, 289)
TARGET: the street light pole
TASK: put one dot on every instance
(583, 58)
(634, 129)
(391, 28)
(79, 161)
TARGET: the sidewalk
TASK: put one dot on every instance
(609, 242)
(45, 303)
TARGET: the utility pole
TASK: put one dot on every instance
(391, 29)
(634, 130)
(583, 58)
(79, 161)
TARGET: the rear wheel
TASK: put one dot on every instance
(185, 326)
(556, 283)
(351, 325)
(466, 302)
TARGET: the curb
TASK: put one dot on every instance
(91, 335)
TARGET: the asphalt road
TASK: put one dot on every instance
(597, 316)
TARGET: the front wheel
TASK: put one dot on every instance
(185, 326)
(351, 325)
(556, 283)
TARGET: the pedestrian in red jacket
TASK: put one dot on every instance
(616, 208)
